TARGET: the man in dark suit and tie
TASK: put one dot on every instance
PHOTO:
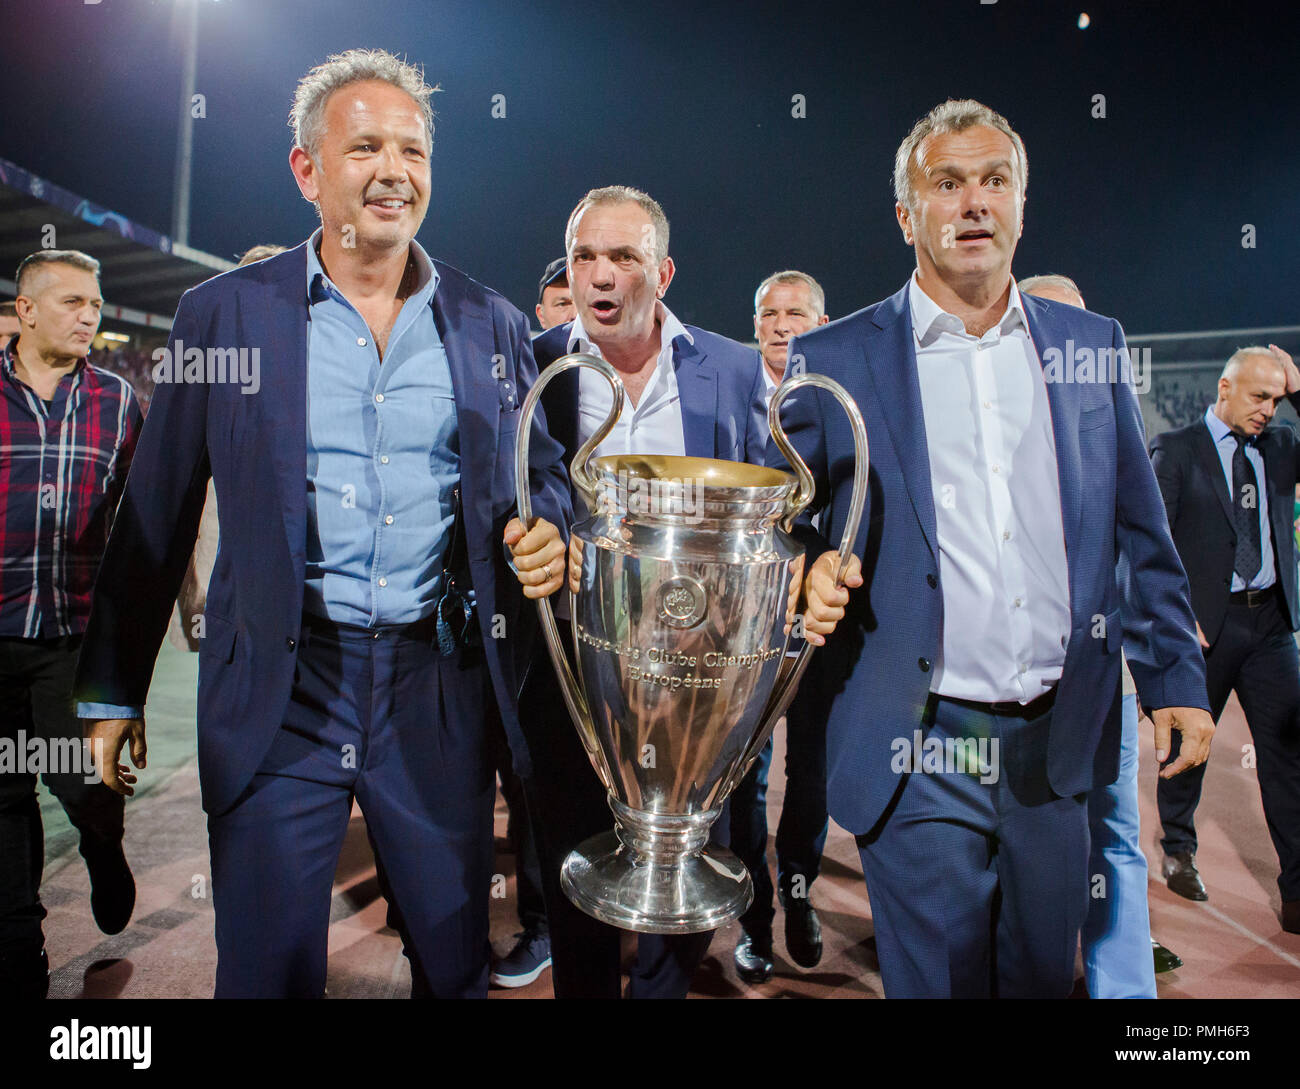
(974, 663)
(361, 617)
(1228, 483)
(689, 393)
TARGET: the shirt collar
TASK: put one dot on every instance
(929, 319)
(9, 352)
(320, 286)
(1220, 430)
(669, 330)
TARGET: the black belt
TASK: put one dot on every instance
(426, 630)
(1010, 708)
(1253, 599)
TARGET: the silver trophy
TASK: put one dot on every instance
(679, 638)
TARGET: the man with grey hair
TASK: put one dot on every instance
(787, 304)
(366, 493)
(1228, 483)
(980, 616)
(689, 392)
(67, 434)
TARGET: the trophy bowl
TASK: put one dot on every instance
(681, 669)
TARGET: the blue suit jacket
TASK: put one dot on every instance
(720, 383)
(254, 446)
(1111, 508)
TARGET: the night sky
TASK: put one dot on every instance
(692, 102)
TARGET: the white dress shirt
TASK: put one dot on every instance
(654, 426)
(1226, 446)
(997, 504)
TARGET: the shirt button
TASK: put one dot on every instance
(361, 342)
(1006, 534)
(388, 521)
(383, 582)
(997, 468)
(379, 397)
(1024, 668)
(924, 663)
(1018, 602)
(383, 459)
(988, 404)
(290, 644)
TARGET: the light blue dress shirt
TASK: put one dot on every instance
(383, 457)
(1226, 446)
(383, 461)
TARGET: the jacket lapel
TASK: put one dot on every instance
(285, 319)
(891, 367)
(1065, 428)
(1213, 468)
(697, 392)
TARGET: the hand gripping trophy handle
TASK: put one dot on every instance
(574, 699)
(792, 670)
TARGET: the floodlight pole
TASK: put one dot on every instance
(185, 137)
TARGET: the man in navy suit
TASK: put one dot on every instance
(975, 660)
(361, 618)
(689, 392)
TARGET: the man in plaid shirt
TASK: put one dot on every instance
(67, 431)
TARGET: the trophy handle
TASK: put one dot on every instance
(792, 670)
(574, 699)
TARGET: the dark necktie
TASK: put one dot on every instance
(1245, 508)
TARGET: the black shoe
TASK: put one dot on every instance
(530, 957)
(803, 931)
(25, 977)
(1179, 871)
(1291, 916)
(753, 957)
(112, 888)
(1165, 960)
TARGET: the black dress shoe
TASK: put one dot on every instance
(803, 932)
(112, 888)
(1291, 916)
(1165, 960)
(1180, 875)
(753, 957)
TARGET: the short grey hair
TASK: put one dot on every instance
(955, 115)
(622, 194)
(791, 276)
(307, 118)
(34, 261)
(1231, 367)
(1051, 279)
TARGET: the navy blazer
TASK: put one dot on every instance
(877, 661)
(1199, 510)
(719, 382)
(254, 446)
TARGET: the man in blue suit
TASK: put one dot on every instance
(975, 658)
(689, 392)
(362, 618)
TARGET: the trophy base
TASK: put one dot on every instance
(696, 891)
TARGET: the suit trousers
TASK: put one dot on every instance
(1255, 654)
(801, 832)
(381, 716)
(978, 882)
(36, 699)
(1117, 933)
(568, 804)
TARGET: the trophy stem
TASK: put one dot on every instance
(656, 873)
